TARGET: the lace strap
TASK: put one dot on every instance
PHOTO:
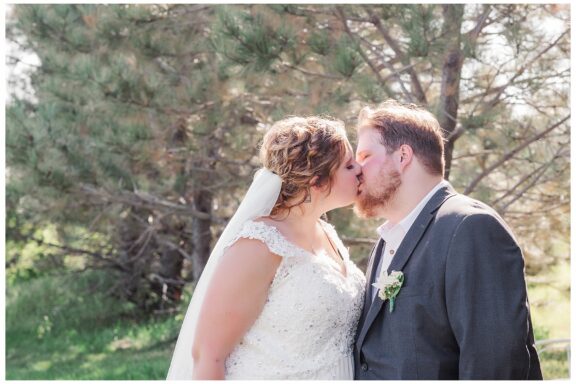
(269, 235)
(333, 235)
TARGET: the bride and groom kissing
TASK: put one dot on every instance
(443, 296)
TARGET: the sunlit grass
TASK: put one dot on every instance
(549, 296)
(66, 328)
(550, 301)
(88, 339)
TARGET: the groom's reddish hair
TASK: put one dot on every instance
(409, 124)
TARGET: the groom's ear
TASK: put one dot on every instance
(405, 154)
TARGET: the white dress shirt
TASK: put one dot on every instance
(394, 234)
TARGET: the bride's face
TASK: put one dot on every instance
(345, 181)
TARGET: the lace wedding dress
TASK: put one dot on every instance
(307, 326)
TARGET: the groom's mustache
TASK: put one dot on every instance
(360, 180)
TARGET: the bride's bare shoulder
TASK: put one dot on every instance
(250, 255)
(263, 219)
(270, 222)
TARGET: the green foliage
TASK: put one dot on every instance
(286, 8)
(115, 89)
(514, 32)
(66, 327)
(346, 58)
(368, 89)
(171, 100)
(541, 333)
(249, 40)
(473, 122)
(555, 362)
(555, 365)
(418, 20)
(319, 42)
(340, 97)
(75, 300)
(549, 296)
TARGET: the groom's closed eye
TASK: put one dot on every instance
(362, 156)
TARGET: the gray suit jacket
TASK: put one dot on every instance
(463, 310)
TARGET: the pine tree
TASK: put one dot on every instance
(495, 79)
(136, 134)
(143, 130)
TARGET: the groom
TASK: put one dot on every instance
(462, 310)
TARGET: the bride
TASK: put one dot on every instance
(279, 297)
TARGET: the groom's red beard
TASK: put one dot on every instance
(369, 202)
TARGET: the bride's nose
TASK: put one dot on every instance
(358, 169)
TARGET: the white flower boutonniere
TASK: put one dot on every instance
(389, 286)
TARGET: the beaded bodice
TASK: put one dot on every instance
(309, 319)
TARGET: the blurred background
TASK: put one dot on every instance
(132, 134)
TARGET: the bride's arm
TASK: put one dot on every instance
(234, 299)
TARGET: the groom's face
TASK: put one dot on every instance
(380, 178)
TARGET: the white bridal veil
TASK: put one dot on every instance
(259, 201)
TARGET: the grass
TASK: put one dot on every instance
(66, 328)
(549, 296)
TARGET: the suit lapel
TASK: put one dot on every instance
(370, 270)
(410, 241)
(406, 249)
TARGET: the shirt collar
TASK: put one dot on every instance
(387, 230)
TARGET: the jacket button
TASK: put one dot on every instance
(364, 367)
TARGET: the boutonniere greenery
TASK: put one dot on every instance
(389, 286)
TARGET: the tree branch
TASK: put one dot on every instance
(495, 100)
(308, 73)
(507, 156)
(481, 23)
(142, 199)
(372, 66)
(415, 81)
(79, 251)
(535, 178)
(526, 177)
(357, 241)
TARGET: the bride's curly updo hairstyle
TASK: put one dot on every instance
(299, 148)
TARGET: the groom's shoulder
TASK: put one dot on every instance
(459, 205)
(463, 213)
(460, 208)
